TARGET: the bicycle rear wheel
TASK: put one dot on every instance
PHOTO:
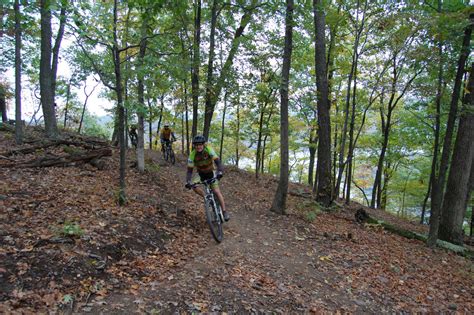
(172, 158)
(214, 222)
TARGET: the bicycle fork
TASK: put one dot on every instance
(214, 206)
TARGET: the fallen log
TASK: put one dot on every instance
(370, 221)
(52, 143)
(300, 193)
(66, 160)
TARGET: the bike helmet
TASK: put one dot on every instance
(199, 139)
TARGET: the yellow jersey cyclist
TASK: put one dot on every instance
(203, 157)
(166, 136)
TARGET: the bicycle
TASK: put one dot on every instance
(133, 140)
(213, 209)
(168, 153)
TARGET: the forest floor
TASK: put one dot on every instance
(66, 246)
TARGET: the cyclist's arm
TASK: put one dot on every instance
(220, 167)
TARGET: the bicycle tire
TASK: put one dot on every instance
(166, 153)
(172, 157)
(214, 222)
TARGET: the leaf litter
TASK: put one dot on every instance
(66, 246)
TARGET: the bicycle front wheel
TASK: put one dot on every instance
(214, 222)
(166, 153)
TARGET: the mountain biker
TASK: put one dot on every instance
(166, 136)
(202, 157)
(133, 135)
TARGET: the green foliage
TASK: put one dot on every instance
(71, 229)
(311, 216)
(93, 127)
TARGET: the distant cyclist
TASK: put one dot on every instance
(133, 135)
(166, 136)
(203, 158)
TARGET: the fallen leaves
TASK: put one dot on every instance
(157, 260)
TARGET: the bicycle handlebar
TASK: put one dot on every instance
(205, 182)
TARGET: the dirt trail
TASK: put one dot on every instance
(266, 262)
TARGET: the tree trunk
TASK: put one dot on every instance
(223, 125)
(313, 140)
(196, 64)
(324, 188)
(160, 116)
(262, 162)
(3, 104)
(351, 135)
(120, 107)
(392, 103)
(210, 65)
(437, 190)
(186, 116)
(46, 73)
(279, 201)
(57, 44)
(217, 88)
(141, 99)
(355, 59)
(439, 93)
(85, 105)
(68, 96)
(237, 136)
(18, 122)
(457, 189)
(150, 125)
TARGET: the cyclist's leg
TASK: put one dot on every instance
(219, 195)
(198, 191)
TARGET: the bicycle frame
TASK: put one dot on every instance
(168, 151)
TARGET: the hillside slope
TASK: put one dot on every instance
(65, 245)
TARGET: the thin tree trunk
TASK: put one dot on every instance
(57, 44)
(186, 114)
(259, 142)
(264, 146)
(324, 187)
(279, 201)
(150, 125)
(196, 64)
(141, 99)
(3, 104)
(425, 202)
(351, 137)
(210, 65)
(160, 116)
(313, 140)
(68, 95)
(355, 57)
(18, 122)
(437, 190)
(84, 105)
(217, 87)
(237, 136)
(223, 125)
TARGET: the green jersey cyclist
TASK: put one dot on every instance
(203, 157)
